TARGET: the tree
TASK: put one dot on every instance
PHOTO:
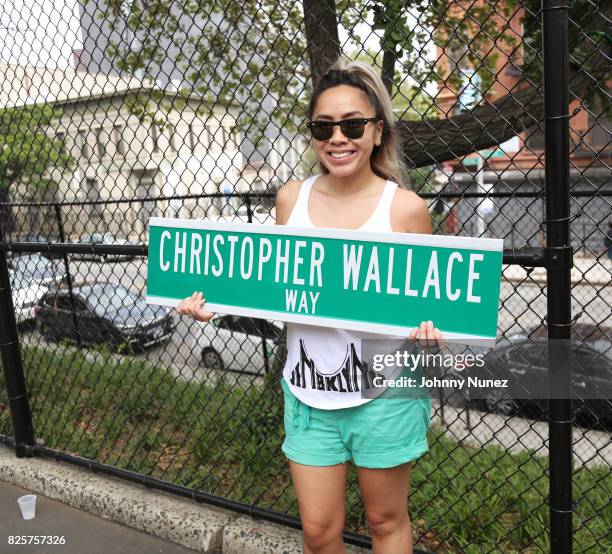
(282, 47)
(409, 101)
(27, 153)
(434, 140)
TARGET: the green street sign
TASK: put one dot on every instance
(365, 281)
(486, 154)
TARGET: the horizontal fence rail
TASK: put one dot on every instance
(526, 257)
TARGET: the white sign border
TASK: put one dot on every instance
(437, 241)
(417, 239)
(462, 338)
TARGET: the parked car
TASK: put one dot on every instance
(31, 276)
(26, 294)
(525, 364)
(259, 215)
(235, 342)
(598, 337)
(106, 313)
(36, 267)
(103, 238)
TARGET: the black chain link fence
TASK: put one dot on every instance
(120, 110)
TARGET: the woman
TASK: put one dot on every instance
(351, 123)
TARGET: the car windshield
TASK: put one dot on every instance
(111, 298)
(96, 237)
(32, 266)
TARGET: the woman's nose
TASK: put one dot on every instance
(337, 134)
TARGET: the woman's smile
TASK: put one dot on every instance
(341, 156)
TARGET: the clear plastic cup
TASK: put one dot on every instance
(27, 503)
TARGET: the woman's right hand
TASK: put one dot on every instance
(193, 306)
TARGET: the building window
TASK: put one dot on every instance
(198, 137)
(192, 141)
(210, 136)
(146, 191)
(85, 151)
(119, 142)
(470, 93)
(102, 142)
(61, 136)
(155, 137)
(235, 137)
(513, 67)
(93, 195)
(171, 137)
(456, 51)
(204, 136)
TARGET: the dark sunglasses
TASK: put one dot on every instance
(351, 128)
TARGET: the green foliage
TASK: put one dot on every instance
(27, 152)
(409, 102)
(421, 179)
(394, 20)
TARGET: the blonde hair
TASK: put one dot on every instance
(385, 159)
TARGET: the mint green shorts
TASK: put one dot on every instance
(384, 432)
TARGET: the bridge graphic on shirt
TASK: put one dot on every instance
(347, 378)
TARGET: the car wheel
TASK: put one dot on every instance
(498, 402)
(46, 332)
(211, 359)
(458, 397)
(38, 324)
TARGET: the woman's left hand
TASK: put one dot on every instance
(427, 335)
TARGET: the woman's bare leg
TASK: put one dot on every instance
(385, 494)
(321, 494)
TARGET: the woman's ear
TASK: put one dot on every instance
(379, 131)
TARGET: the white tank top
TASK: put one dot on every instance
(323, 368)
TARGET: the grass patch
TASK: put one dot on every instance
(227, 441)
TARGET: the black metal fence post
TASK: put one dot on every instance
(13, 368)
(558, 270)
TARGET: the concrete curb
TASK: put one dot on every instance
(248, 536)
(200, 527)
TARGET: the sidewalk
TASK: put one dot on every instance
(99, 514)
(597, 272)
(81, 532)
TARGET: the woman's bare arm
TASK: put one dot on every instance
(409, 213)
(286, 198)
